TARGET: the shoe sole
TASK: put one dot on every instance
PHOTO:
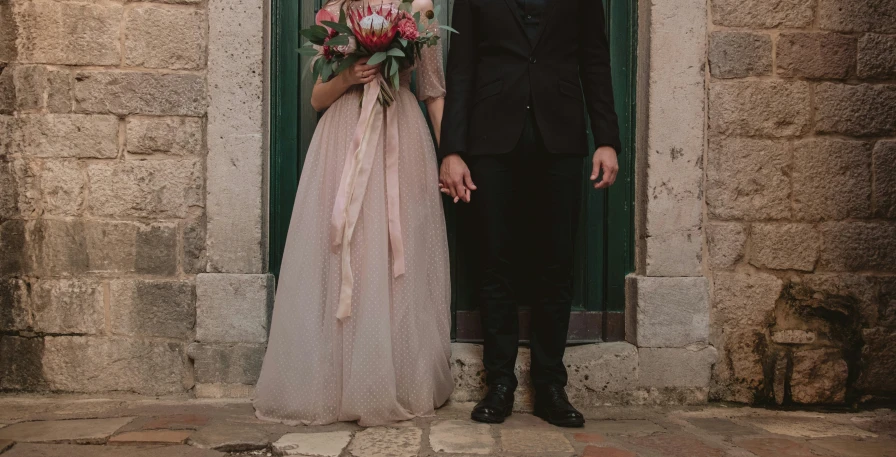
(491, 421)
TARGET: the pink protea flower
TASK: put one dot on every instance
(375, 28)
(324, 15)
(407, 28)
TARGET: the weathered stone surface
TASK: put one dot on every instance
(831, 179)
(7, 89)
(69, 33)
(14, 259)
(461, 437)
(876, 56)
(858, 246)
(739, 373)
(164, 38)
(468, 372)
(599, 369)
(676, 367)
(79, 431)
(177, 422)
(775, 447)
(63, 185)
(236, 130)
(759, 108)
(86, 364)
(224, 390)
(15, 305)
(233, 308)
(226, 363)
(595, 451)
(8, 33)
(816, 55)
(230, 437)
(146, 188)
(803, 426)
(153, 308)
(324, 444)
(175, 136)
(39, 86)
(720, 426)
(21, 363)
(857, 448)
(667, 312)
(762, 13)
(734, 54)
(19, 188)
(145, 437)
(382, 442)
(64, 450)
(784, 246)
(743, 300)
(819, 377)
(858, 291)
(879, 362)
(726, 242)
(68, 306)
(194, 258)
(522, 441)
(132, 247)
(139, 93)
(677, 445)
(860, 110)
(884, 170)
(748, 179)
(857, 15)
(794, 337)
(67, 135)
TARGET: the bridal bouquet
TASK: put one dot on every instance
(393, 36)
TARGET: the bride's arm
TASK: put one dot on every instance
(325, 94)
(435, 107)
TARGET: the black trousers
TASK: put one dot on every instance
(522, 224)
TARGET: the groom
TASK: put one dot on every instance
(513, 140)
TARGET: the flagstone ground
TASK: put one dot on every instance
(127, 426)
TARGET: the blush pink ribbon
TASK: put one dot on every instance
(353, 187)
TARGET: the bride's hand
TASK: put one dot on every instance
(361, 73)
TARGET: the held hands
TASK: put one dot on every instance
(455, 180)
(360, 73)
(604, 159)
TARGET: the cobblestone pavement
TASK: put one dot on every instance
(66, 426)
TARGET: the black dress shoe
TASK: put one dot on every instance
(552, 405)
(495, 407)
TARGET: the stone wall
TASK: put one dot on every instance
(801, 199)
(102, 192)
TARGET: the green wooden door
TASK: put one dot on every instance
(606, 234)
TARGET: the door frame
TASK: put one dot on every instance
(288, 136)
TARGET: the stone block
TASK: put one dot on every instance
(598, 371)
(740, 371)
(394, 442)
(132, 247)
(131, 92)
(726, 242)
(831, 179)
(236, 172)
(172, 136)
(226, 363)
(762, 13)
(150, 437)
(224, 390)
(153, 308)
(164, 38)
(744, 300)
(748, 179)
(876, 56)
(146, 188)
(734, 54)
(760, 108)
(857, 15)
(678, 445)
(76, 431)
(468, 372)
(667, 312)
(59, 247)
(8, 33)
(171, 2)
(784, 246)
(819, 377)
(674, 254)
(67, 135)
(461, 437)
(857, 110)
(321, 444)
(15, 305)
(68, 306)
(817, 55)
(676, 367)
(858, 246)
(67, 33)
(15, 253)
(89, 365)
(861, 292)
(883, 169)
(794, 337)
(21, 363)
(233, 308)
(523, 441)
(7, 88)
(63, 188)
(879, 362)
(194, 258)
(39, 86)
(20, 193)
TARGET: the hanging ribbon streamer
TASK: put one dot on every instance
(353, 187)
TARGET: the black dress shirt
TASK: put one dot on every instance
(531, 12)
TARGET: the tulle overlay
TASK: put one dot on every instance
(389, 361)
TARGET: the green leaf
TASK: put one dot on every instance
(341, 28)
(317, 68)
(326, 72)
(445, 27)
(403, 42)
(395, 53)
(343, 19)
(436, 11)
(347, 62)
(393, 68)
(377, 58)
(340, 40)
(308, 51)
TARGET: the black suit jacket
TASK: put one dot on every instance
(495, 72)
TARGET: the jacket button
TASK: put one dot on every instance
(532, 60)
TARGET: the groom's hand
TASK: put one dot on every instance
(604, 159)
(454, 178)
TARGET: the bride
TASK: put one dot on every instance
(371, 342)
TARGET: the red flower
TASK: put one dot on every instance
(407, 28)
(375, 28)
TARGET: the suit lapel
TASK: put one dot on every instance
(550, 6)
(515, 11)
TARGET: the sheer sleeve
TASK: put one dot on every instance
(431, 72)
